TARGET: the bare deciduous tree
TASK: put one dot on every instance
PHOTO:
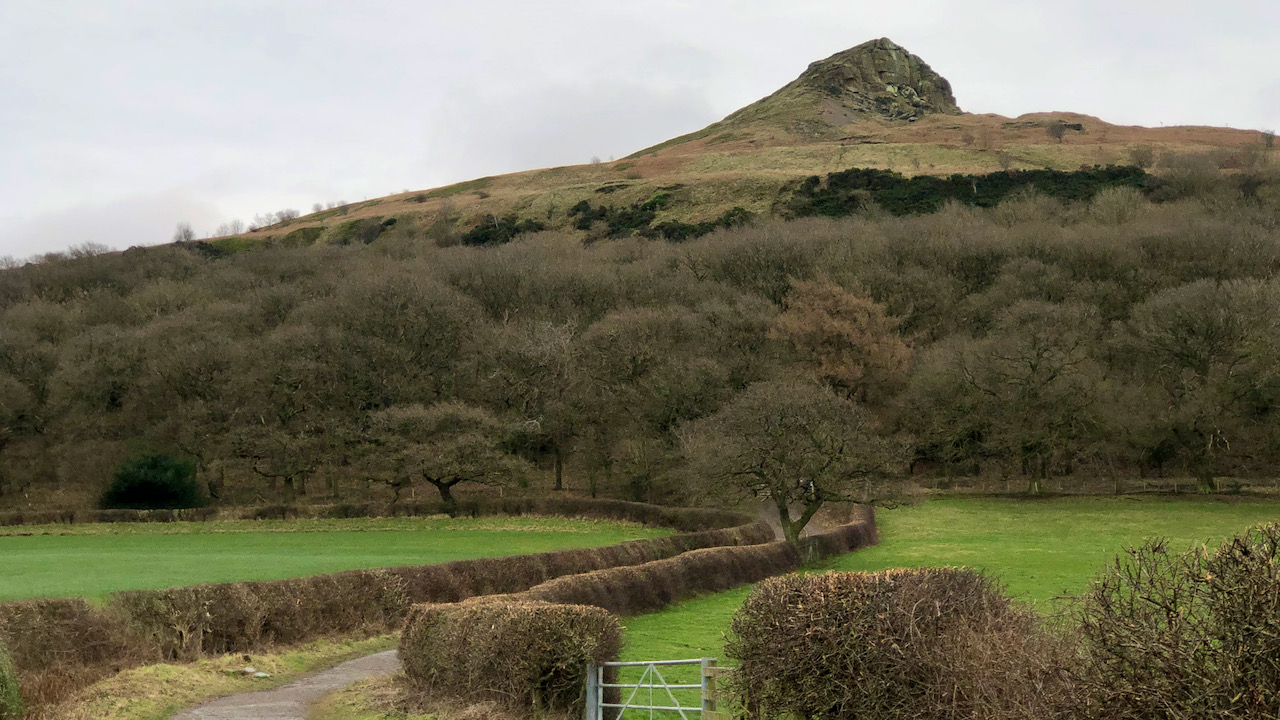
(444, 445)
(183, 233)
(799, 444)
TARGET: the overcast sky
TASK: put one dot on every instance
(120, 118)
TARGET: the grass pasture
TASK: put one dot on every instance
(94, 560)
(1039, 548)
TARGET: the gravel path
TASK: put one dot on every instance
(289, 702)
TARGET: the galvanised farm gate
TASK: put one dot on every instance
(652, 694)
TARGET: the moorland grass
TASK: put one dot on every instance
(1040, 548)
(94, 560)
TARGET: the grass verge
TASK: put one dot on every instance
(158, 691)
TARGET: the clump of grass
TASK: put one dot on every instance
(157, 691)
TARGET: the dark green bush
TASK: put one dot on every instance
(638, 219)
(10, 698)
(154, 482)
(1186, 635)
(493, 230)
(849, 191)
(908, 643)
(527, 655)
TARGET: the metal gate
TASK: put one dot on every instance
(652, 695)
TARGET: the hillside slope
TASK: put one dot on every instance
(873, 106)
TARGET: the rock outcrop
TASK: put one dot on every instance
(881, 77)
(875, 79)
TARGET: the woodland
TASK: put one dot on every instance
(1043, 341)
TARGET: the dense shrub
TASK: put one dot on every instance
(154, 481)
(933, 642)
(638, 219)
(493, 230)
(1186, 635)
(10, 697)
(848, 191)
(62, 645)
(527, 655)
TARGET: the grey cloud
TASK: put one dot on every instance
(559, 125)
(145, 220)
(184, 110)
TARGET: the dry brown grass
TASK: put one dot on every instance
(746, 165)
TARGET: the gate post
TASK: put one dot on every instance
(709, 694)
(593, 692)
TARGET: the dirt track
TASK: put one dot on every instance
(290, 702)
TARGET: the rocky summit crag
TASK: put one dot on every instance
(881, 77)
(877, 79)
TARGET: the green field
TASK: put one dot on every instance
(1040, 548)
(93, 560)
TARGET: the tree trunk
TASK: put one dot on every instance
(790, 531)
(446, 496)
(559, 468)
(1204, 479)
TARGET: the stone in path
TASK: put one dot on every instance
(289, 702)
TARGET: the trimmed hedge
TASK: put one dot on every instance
(10, 698)
(676, 518)
(436, 647)
(640, 588)
(637, 589)
(527, 655)
(62, 645)
(909, 643)
(1181, 635)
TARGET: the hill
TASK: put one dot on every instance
(1074, 329)
(873, 106)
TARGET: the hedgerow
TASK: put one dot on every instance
(61, 645)
(10, 696)
(919, 643)
(1185, 635)
(527, 655)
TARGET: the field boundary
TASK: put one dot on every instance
(62, 645)
(676, 518)
(429, 654)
